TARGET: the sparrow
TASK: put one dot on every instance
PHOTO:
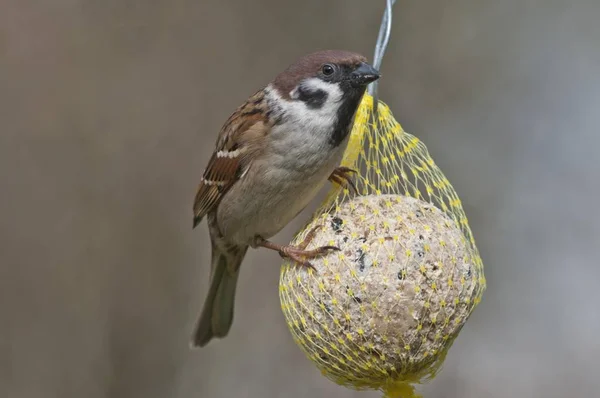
(272, 156)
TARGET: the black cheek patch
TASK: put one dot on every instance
(313, 99)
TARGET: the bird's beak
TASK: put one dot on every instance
(363, 75)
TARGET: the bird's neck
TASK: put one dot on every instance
(327, 121)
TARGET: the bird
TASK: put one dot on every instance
(271, 158)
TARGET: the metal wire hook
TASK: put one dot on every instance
(383, 39)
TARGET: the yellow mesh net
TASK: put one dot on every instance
(383, 311)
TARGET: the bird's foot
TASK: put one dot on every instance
(341, 176)
(298, 253)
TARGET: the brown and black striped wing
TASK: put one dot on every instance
(239, 141)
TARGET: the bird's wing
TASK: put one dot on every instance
(238, 144)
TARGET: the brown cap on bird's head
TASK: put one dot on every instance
(329, 65)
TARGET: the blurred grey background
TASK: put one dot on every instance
(108, 114)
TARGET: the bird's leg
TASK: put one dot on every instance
(298, 253)
(341, 175)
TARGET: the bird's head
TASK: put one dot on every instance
(326, 76)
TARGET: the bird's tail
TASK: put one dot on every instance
(217, 314)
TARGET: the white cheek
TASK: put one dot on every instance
(300, 140)
(321, 118)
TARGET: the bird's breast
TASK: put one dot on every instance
(278, 185)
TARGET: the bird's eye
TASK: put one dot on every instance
(328, 69)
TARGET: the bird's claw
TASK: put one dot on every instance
(341, 175)
(300, 256)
